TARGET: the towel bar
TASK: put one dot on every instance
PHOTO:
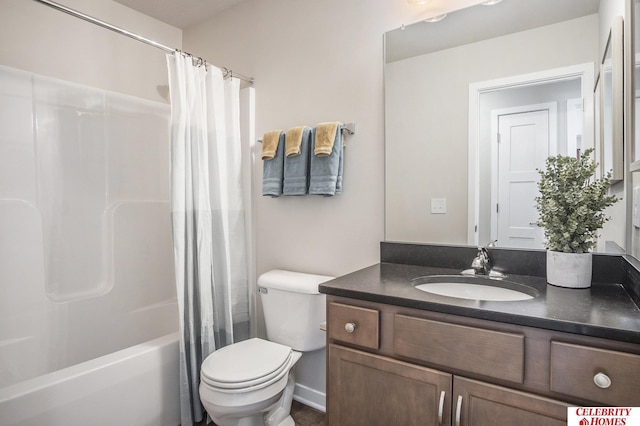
(349, 128)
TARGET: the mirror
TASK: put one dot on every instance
(636, 78)
(520, 68)
(612, 104)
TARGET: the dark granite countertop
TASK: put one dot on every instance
(605, 310)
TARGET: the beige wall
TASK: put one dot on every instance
(36, 38)
(313, 62)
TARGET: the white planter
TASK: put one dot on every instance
(572, 270)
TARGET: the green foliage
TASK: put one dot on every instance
(571, 203)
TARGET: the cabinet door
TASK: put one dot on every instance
(481, 404)
(367, 389)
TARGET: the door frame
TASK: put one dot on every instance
(552, 109)
(586, 72)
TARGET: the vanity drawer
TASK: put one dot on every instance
(354, 325)
(575, 370)
(471, 349)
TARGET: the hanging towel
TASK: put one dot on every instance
(296, 167)
(293, 140)
(273, 169)
(325, 138)
(326, 172)
(270, 142)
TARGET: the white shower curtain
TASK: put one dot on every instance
(207, 218)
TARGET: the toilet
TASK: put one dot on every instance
(251, 383)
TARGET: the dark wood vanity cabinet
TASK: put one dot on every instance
(389, 365)
(485, 404)
(369, 389)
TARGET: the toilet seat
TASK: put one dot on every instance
(248, 365)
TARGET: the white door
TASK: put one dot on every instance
(524, 143)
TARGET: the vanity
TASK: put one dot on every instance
(400, 356)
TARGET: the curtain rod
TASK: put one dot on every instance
(103, 24)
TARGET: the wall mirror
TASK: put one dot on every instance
(612, 103)
(635, 58)
(521, 69)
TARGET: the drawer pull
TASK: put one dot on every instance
(459, 410)
(602, 380)
(441, 407)
(350, 327)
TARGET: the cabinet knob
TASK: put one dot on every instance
(602, 380)
(350, 327)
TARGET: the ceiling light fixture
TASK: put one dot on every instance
(490, 2)
(437, 18)
(418, 1)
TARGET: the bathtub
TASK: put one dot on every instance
(134, 386)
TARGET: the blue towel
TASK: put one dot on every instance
(272, 171)
(326, 172)
(296, 168)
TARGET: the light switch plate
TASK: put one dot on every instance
(438, 205)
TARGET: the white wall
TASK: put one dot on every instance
(36, 38)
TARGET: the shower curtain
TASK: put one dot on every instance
(207, 218)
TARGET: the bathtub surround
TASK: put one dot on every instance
(83, 308)
(208, 218)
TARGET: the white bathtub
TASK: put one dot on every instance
(134, 386)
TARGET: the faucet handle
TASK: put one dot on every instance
(482, 262)
(478, 263)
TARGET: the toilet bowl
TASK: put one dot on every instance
(241, 382)
(251, 383)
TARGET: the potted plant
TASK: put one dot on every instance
(571, 206)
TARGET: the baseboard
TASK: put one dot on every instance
(311, 397)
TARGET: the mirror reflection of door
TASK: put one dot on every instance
(637, 127)
(525, 137)
(506, 211)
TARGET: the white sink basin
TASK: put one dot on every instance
(474, 288)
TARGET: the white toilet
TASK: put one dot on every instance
(251, 383)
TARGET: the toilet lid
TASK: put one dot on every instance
(245, 363)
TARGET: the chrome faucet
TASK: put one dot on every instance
(482, 262)
(482, 265)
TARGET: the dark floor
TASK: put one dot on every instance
(302, 414)
(306, 416)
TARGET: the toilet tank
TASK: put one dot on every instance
(293, 308)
